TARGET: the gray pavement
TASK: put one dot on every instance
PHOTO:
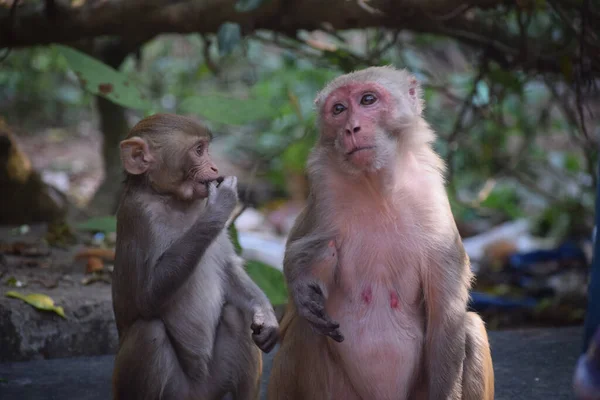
(529, 364)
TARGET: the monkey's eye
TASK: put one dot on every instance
(200, 149)
(368, 99)
(338, 108)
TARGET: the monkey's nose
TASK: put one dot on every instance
(354, 130)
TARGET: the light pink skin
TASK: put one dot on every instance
(356, 126)
(387, 207)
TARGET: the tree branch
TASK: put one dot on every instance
(76, 20)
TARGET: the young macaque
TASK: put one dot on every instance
(189, 318)
(376, 270)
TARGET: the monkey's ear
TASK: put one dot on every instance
(415, 94)
(135, 155)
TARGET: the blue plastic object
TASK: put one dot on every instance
(481, 301)
(569, 250)
(592, 318)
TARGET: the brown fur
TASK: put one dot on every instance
(189, 318)
(383, 316)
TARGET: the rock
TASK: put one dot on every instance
(29, 334)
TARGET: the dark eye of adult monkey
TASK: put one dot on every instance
(191, 322)
(377, 274)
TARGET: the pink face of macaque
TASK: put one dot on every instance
(199, 169)
(352, 116)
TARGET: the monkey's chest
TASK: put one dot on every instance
(378, 272)
(377, 300)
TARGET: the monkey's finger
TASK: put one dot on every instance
(273, 337)
(267, 342)
(212, 190)
(336, 335)
(313, 311)
(230, 182)
(317, 309)
(256, 328)
(322, 324)
(269, 345)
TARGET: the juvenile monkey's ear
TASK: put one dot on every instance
(135, 155)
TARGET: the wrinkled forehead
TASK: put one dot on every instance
(175, 140)
(351, 91)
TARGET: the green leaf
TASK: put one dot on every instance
(99, 224)
(39, 301)
(100, 79)
(295, 156)
(233, 234)
(571, 163)
(509, 80)
(248, 5)
(228, 37)
(270, 280)
(228, 110)
(504, 199)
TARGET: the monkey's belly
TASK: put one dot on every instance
(192, 325)
(381, 352)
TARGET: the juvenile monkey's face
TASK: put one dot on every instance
(199, 170)
(354, 120)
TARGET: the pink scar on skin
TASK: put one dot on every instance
(367, 295)
(411, 91)
(393, 300)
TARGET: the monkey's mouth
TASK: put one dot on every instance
(357, 149)
(205, 182)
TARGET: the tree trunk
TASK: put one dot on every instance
(114, 128)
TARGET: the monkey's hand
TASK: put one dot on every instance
(265, 329)
(222, 199)
(310, 302)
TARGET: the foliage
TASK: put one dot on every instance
(270, 280)
(39, 301)
(106, 224)
(99, 79)
(36, 87)
(511, 130)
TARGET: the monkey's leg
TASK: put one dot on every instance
(146, 366)
(236, 365)
(300, 368)
(478, 371)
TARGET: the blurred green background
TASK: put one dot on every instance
(510, 90)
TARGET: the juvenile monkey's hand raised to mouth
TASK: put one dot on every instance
(223, 198)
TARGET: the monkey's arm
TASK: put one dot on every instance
(446, 281)
(309, 264)
(248, 297)
(175, 265)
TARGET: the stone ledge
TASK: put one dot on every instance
(532, 364)
(29, 334)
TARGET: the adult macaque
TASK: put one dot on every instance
(184, 306)
(377, 273)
